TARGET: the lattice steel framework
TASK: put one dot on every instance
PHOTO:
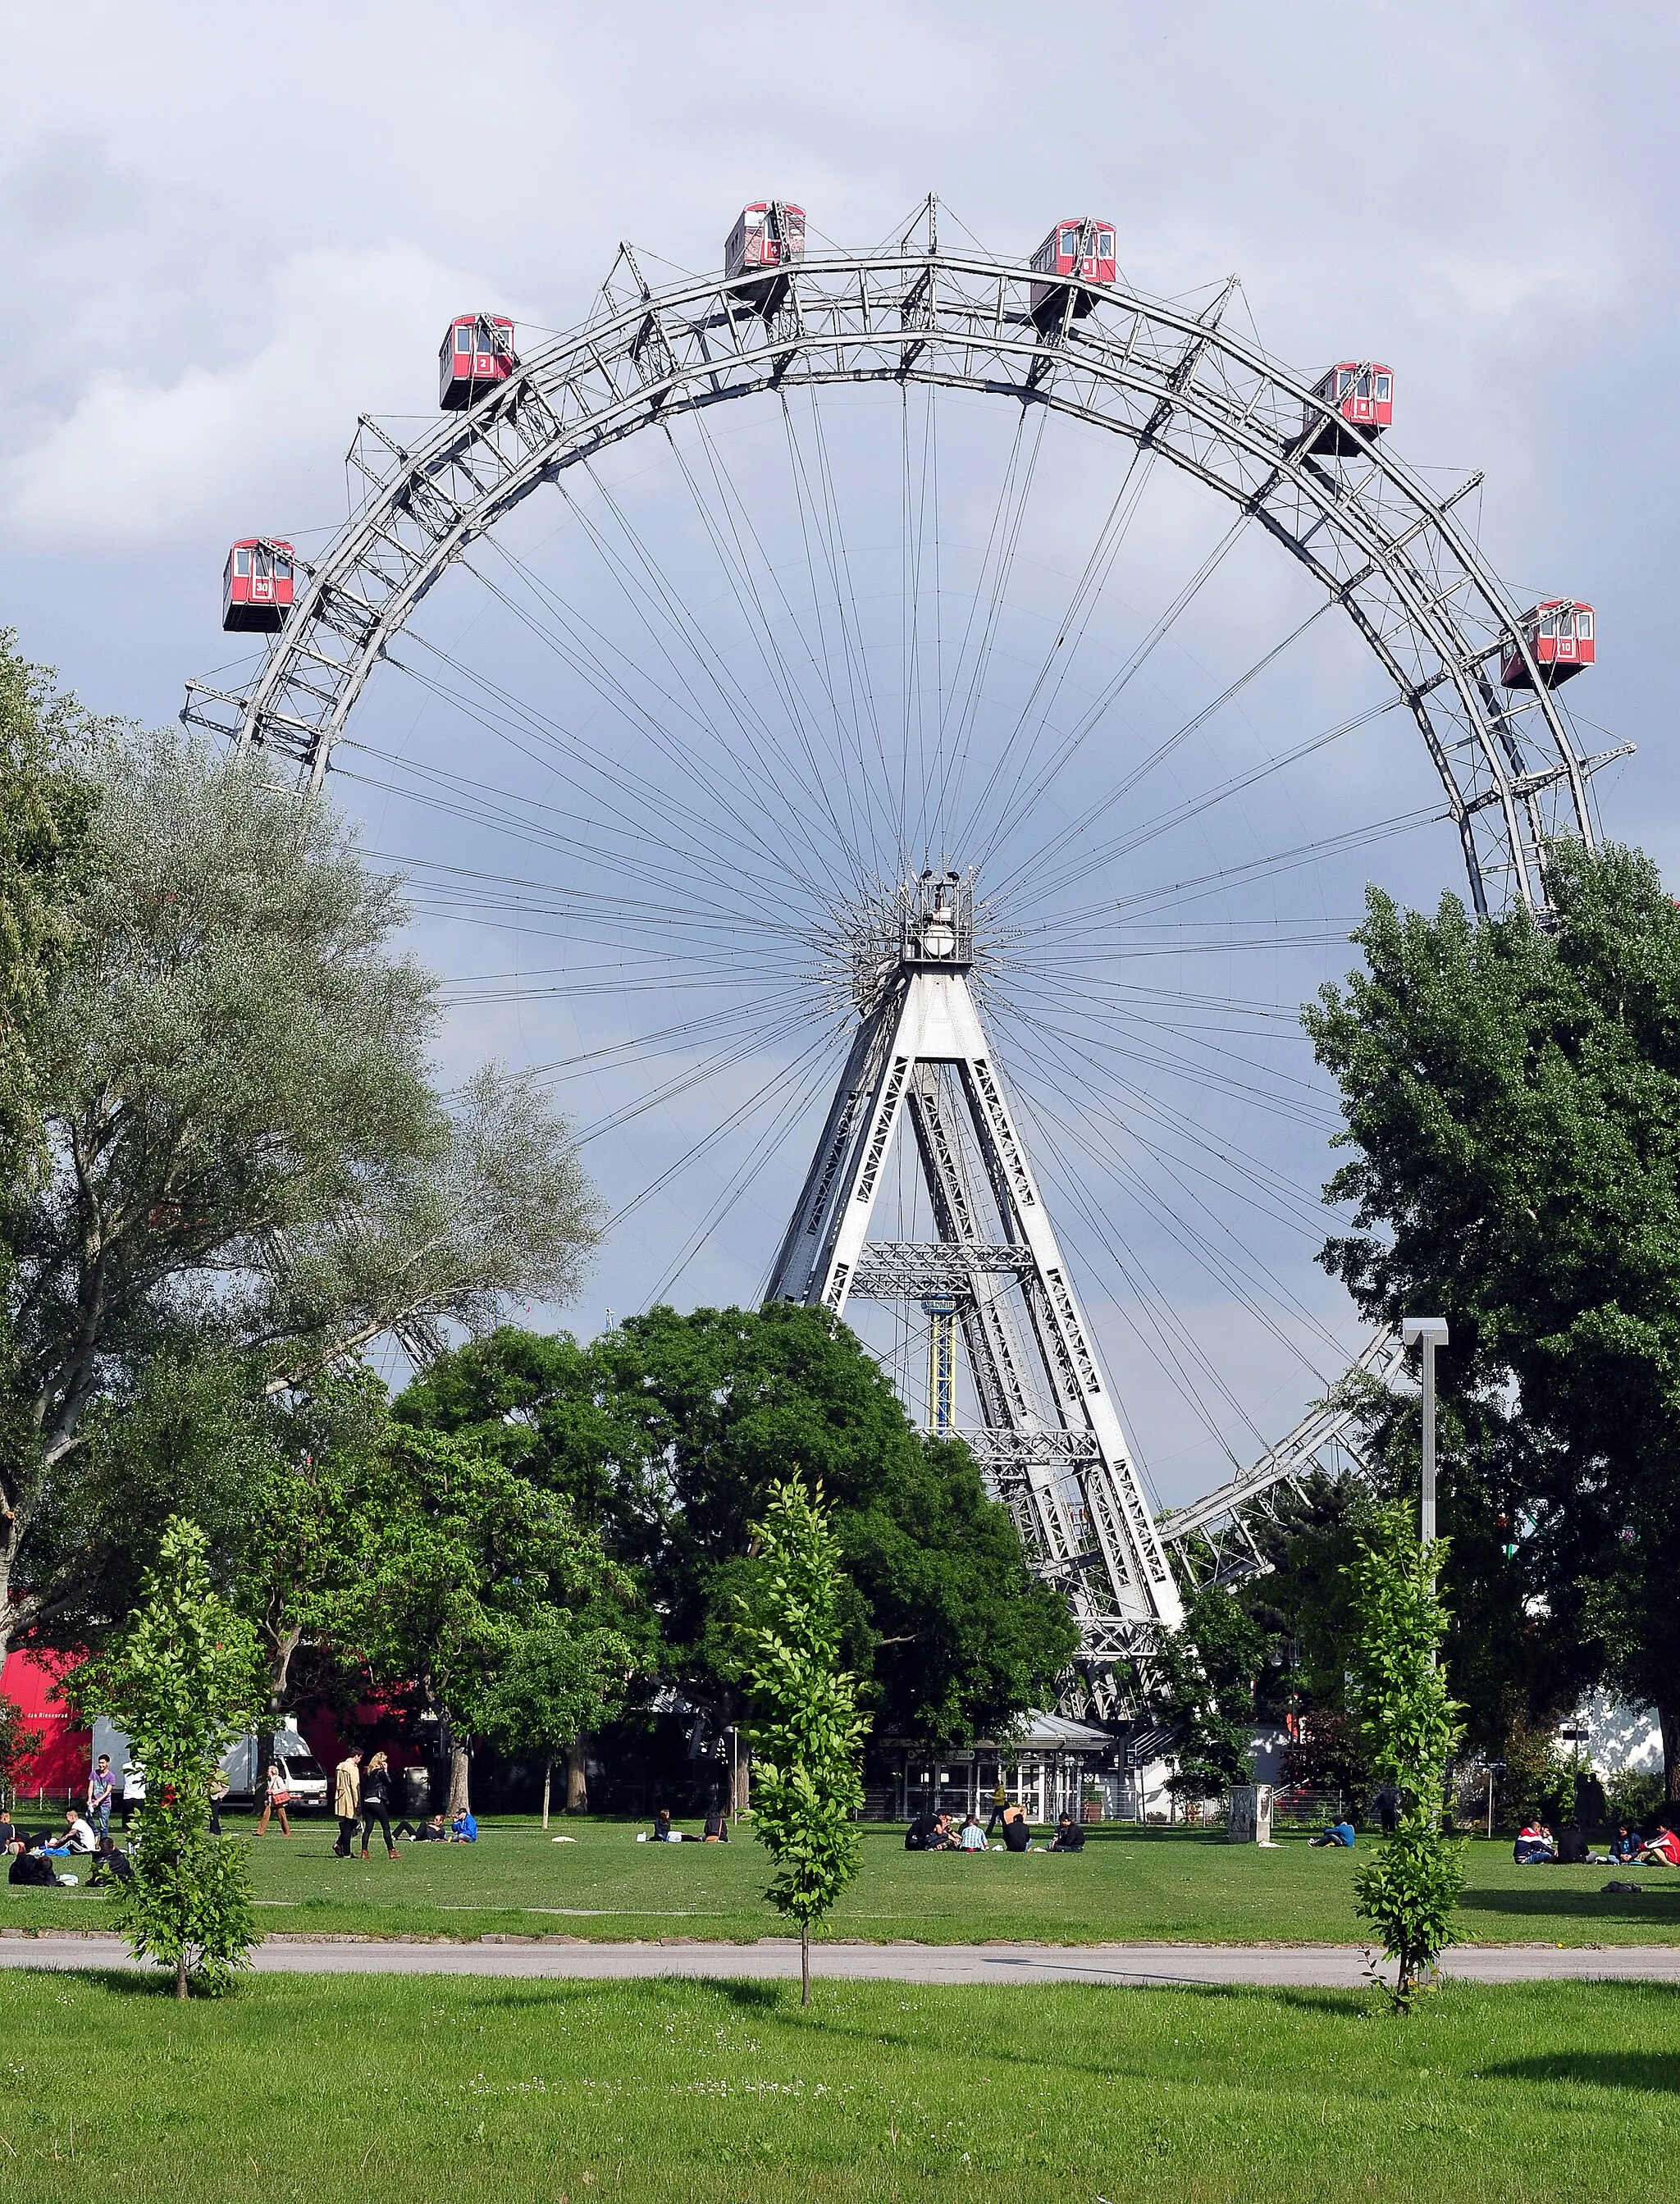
(1050, 1438)
(1174, 380)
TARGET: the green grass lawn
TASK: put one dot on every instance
(1125, 1884)
(333, 2088)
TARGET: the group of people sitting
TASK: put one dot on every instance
(441, 1830)
(716, 1831)
(937, 1832)
(35, 1859)
(1536, 1846)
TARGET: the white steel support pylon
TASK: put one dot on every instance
(1049, 1436)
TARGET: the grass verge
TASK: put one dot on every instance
(308, 2086)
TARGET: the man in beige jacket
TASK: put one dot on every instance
(348, 1801)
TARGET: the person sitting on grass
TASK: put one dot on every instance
(1625, 1845)
(1533, 1846)
(1663, 1849)
(1339, 1832)
(463, 1830)
(434, 1831)
(111, 1864)
(1070, 1837)
(33, 1867)
(717, 1826)
(971, 1838)
(663, 1833)
(76, 1836)
(1016, 1830)
(12, 1839)
(1572, 1850)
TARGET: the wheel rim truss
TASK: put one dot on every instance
(1174, 382)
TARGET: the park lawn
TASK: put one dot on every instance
(312, 2087)
(1126, 1886)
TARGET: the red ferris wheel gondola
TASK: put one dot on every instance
(1362, 393)
(1082, 245)
(1559, 636)
(257, 585)
(477, 352)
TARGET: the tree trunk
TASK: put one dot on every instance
(181, 1975)
(1668, 1719)
(547, 1780)
(805, 1963)
(460, 1770)
(740, 1780)
(576, 1777)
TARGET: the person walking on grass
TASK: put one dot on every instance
(377, 1804)
(347, 1800)
(999, 1806)
(276, 1797)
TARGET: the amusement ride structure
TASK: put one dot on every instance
(870, 838)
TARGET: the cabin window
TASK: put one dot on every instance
(1583, 624)
(1105, 244)
(464, 336)
(1069, 242)
(242, 562)
(1548, 626)
(1384, 385)
(1344, 382)
(1365, 382)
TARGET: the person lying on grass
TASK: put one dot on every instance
(434, 1831)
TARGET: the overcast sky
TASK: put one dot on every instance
(226, 233)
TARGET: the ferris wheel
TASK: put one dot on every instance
(964, 648)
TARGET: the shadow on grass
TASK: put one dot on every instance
(1655, 1908)
(1648, 2071)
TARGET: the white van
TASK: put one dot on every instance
(305, 1778)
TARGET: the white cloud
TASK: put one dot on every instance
(139, 460)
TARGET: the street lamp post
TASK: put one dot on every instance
(1430, 1332)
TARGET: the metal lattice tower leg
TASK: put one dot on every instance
(1050, 1438)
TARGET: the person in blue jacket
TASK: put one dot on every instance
(1339, 1832)
(464, 1830)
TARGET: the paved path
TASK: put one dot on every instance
(1329, 1966)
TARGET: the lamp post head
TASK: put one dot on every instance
(1431, 1329)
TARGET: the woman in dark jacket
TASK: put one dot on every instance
(377, 1802)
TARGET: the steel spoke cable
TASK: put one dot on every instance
(659, 606)
(730, 497)
(675, 752)
(1064, 643)
(792, 1110)
(710, 1138)
(692, 1076)
(849, 722)
(607, 769)
(1167, 823)
(1229, 1268)
(738, 571)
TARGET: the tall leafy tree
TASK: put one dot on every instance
(248, 1155)
(558, 1682)
(470, 1564)
(806, 1733)
(672, 1430)
(1206, 1677)
(181, 1682)
(47, 797)
(1512, 1095)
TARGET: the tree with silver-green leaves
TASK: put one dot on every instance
(805, 1732)
(181, 1682)
(1409, 1729)
(248, 1155)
